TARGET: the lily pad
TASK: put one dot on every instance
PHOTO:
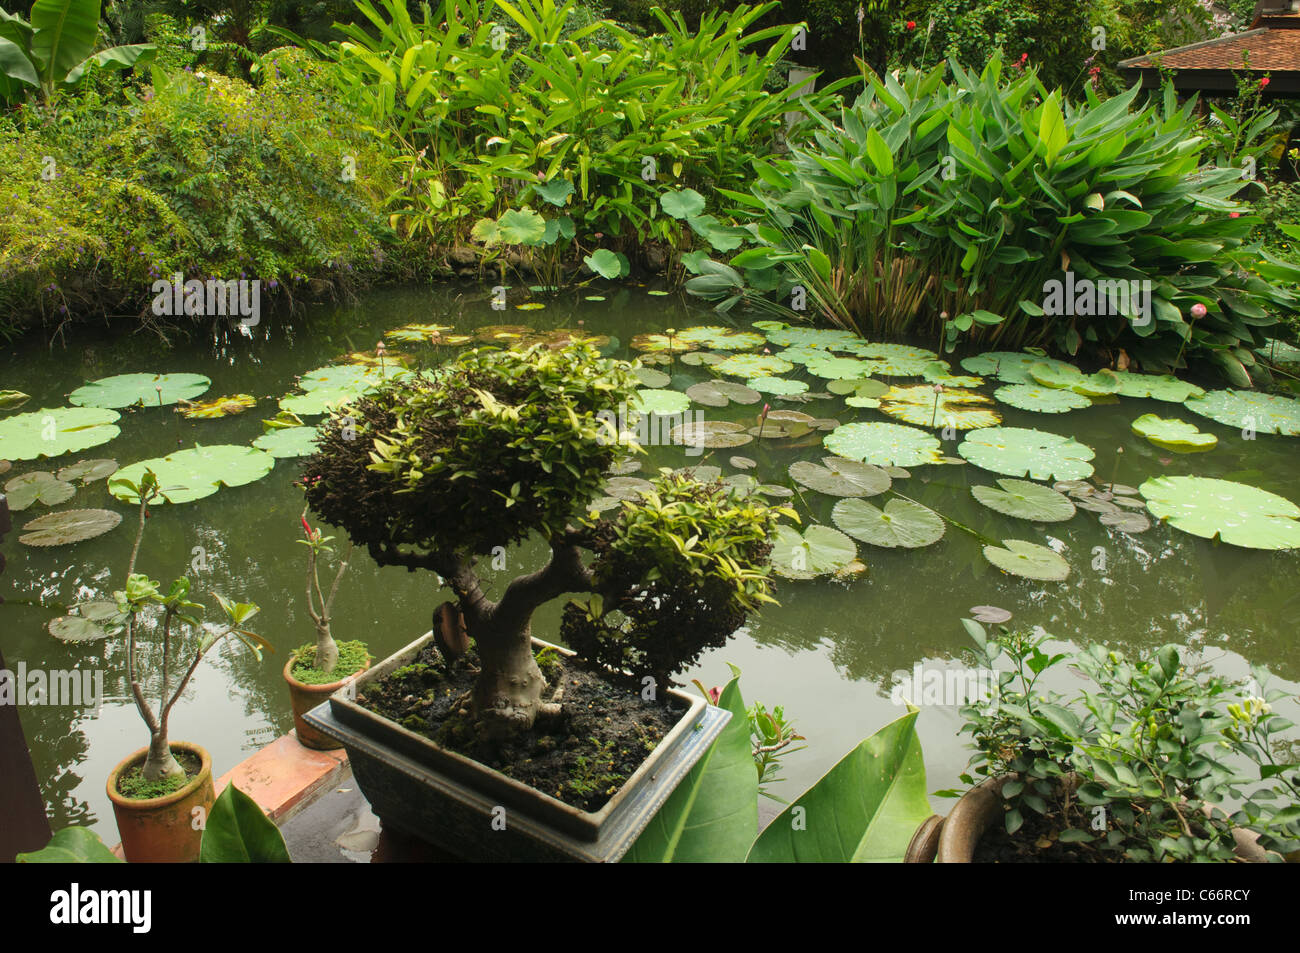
(127, 390)
(884, 444)
(1025, 500)
(660, 343)
(1018, 452)
(743, 463)
(1238, 514)
(901, 524)
(710, 434)
(938, 372)
(54, 431)
(427, 333)
(700, 474)
(87, 471)
(829, 338)
(1029, 560)
(188, 475)
(37, 487)
(649, 377)
(990, 614)
(1010, 367)
(860, 386)
(285, 442)
(1126, 522)
(846, 478)
(1156, 386)
(837, 368)
(627, 488)
(956, 408)
(721, 339)
(359, 377)
(780, 386)
(13, 399)
(1041, 399)
(664, 403)
(320, 400)
(1265, 413)
(750, 366)
(69, 526)
(226, 406)
(1279, 351)
(1174, 434)
(700, 358)
(74, 628)
(817, 552)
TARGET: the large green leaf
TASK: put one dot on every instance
(817, 552)
(15, 66)
(66, 31)
(1264, 413)
(884, 444)
(72, 845)
(1018, 452)
(712, 816)
(53, 431)
(151, 390)
(238, 832)
(1025, 500)
(188, 475)
(1234, 512)
(686, 203)
(115, 58)
(864, 810)
(1020, 557)
(901, 524)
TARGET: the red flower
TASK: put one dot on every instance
(1263, 82)
(714, 694)
(1234, 214)
(911, 24)
(306, 527)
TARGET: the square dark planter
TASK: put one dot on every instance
(477, 813)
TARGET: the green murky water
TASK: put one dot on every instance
(828, 653)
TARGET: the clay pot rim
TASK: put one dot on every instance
(166, 800)
(328, 689)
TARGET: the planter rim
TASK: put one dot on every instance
(166, 800)
(326, 689)
(490, 781)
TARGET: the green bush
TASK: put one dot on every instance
(193, 173)
(943, 207)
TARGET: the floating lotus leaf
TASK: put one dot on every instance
(664, 403)
(375, 359)
(781, 386)
(860, 386)
(802, 354)
(938, 372)
(922, 405)
(54, 431)
(1021, 558)
(660, 343)
(710, 434)
(68, 526)
(779, 430)
(870, 403)
(1015, 451)
(897, 473)
(774, 490)
(594, 298)
(430, 333)
(844, 480)
(530, 306)
(880, 350)
(87, 471)
(1279, 352)
(1156, 386)
(770, 325)
(73, 628)
(357, 377)
(742, 483)
(1130, 501)
(12, 399)
(1025, 500)
(504, 334)
(1041, 399)
(627, 488)
(127, 390)
(220, 407)
(1122, 489)
(738, 393)
(602, 503)
(898, 366)
(1234, 512)
(320, 400)
(883, 444)
(656, 359)
(284, 442)
(1173, 434)
(830, 339)
(1068, 377)
(1265, 413)
(193, 474)
(37, 487)
(1126, 522)
(1010, 367)
(750, 366)
(835, 368)
(990, 614)
(817, 552)
(721, 339)
(561, 338)
(791, 417)
(625, 466)
(824, 423)
(708, 395)
(698, 358)
(700, 474)
(743, 463)
(1094, 505)
(901, 524)
(649, 377)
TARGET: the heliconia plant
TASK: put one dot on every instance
(970, 194)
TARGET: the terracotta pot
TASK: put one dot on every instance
(952, 839)
(163, 829)
(304, 698)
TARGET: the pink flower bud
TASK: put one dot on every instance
(1198, 310)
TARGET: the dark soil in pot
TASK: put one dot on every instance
(131, 784)
(582, 758)
(1033, 843)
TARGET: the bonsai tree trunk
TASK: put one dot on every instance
(160, 763)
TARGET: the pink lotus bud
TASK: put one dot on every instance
(1198, 310)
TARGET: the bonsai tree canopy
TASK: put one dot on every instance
(438, 468)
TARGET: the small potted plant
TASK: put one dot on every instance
(162, 793)
(1131, 769)
(314, 672)
(478, 719)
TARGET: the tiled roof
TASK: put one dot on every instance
(1274, 45)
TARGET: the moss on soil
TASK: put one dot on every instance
(352, 657)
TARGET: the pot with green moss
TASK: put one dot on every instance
(309, 686)
(437, 470)
(314, 672)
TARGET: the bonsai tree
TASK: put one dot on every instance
(318, 604)
(175, 618)
(438, 468)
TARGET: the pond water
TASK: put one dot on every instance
(828, 653)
